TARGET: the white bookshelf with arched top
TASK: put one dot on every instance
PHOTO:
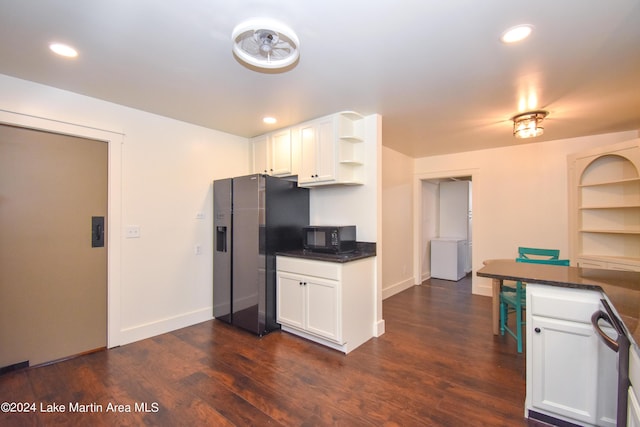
(604, 211)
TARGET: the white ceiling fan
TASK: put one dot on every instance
(265, 43)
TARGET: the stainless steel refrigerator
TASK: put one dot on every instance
(255, 216)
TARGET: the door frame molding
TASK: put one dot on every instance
(115, 140)
(418, 179)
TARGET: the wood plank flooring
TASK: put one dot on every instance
(438, 364)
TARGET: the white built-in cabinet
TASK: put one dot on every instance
(633, 406)
(327, 302)
(604, 196)
(272, 153)
(571, 373)
(324, 151)
(317, 152)
(332, 150)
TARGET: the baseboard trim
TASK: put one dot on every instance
(380, 328)
(151, 329)
(396, 288)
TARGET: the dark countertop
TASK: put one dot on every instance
(363, 250)
(622, 288)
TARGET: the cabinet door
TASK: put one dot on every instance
(326, 150)
(260, 154)
(323, 313)
(633, 410)
(290, 300)
(566, 367)
(307, 154)
(281, 153)
(318, 152)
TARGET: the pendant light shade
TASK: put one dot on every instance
(528, 125)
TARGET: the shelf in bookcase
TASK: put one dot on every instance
(629, 206)
(599, 230)
(612, 182)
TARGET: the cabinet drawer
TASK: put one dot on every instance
(561, 303)
(325, 270)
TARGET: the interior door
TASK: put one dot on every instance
(53, 256)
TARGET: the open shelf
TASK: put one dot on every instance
(605, 208)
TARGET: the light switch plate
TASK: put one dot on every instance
(132, 232)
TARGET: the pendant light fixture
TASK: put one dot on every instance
(529, 124)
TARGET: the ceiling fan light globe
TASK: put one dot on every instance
(258, 41)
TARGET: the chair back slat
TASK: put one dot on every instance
(538, 253)
(564, 262)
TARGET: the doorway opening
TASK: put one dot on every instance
(447, 227)
(443, 212)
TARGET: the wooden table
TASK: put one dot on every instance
(622, 288)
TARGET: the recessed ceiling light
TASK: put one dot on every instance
(63, 50)
(269, 120)
(516, 34)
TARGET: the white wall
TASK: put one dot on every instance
(160, 176)
(358, 205)
(429, 218)
(397, 230)
(520, 196)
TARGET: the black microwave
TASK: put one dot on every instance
(329, 238)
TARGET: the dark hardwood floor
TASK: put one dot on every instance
(438, 364)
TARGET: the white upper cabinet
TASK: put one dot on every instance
(317, 151)
(324, 151)
(272, 154)
(332, 150)
(260, 154)
(281, 153)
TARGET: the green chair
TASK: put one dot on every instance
(533, 254)
(513, 300)
(539, 254)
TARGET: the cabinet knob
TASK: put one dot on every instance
(537, 330)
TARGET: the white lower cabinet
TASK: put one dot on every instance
(327, 302)
(633, 408)
(571, 374)
(309, 304)
(633, 411)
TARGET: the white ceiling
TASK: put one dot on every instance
(435, 70)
